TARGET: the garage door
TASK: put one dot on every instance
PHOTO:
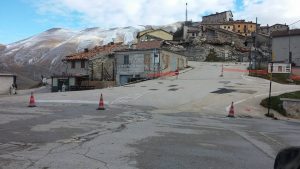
(125, 79)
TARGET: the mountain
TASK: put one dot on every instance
(41, 54)
(2, 47)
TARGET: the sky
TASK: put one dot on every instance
(21, 19)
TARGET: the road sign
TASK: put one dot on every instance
(280, 68)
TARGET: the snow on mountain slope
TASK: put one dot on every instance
(88, 38)
(43, 52)
(31, 50)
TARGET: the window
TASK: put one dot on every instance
(239, 25)
(239, 31)
(250, 26)
(126, 59)
(73, 64)
(82, 64)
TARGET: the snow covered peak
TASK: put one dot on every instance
(51, 46)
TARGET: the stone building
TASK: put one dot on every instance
(218, 17)
(285, 46)
(243, 27)
(146, 60)
(154, 34)
(92, 68)
(227, 26)
(239, 26)
(221, 36)
(191, 32)
(268, 30)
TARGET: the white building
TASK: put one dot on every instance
(284, 42)
(6, 82)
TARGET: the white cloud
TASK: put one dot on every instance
(271, 11)
(114, 13)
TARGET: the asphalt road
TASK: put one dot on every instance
(158, 124)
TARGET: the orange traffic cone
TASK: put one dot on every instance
(31, 101)
(231, 111)
(101, 103)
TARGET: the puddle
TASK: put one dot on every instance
(143, 86)
(128, 86)
(247, 91)
(173, 89)
(223, 91)
(224, 82)
(153, 89)
(226, 90)
(160, 82)
(172, 85)
(240, 84)
(230, 86)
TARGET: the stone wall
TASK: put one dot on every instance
(102, 63)
(99, 84)
(77, 70)
(291, 106)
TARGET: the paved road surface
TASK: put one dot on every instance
(161, 124)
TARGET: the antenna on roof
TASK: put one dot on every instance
(186, 12)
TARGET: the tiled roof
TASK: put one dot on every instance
(85, 55)
(6, 74)
(155, 44)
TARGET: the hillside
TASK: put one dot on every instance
(2, 47)
(41, 54)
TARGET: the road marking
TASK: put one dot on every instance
(70, 101)
(245, 78)
(262, 146)
(234, 103)
(272, 139)
(278, 92)
(256, 96)
(126, 99)
(123, 99)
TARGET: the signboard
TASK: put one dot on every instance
(280, 68)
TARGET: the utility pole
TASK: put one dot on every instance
(290, 53)
(186, 12)
(270, 90)
(255, 42)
